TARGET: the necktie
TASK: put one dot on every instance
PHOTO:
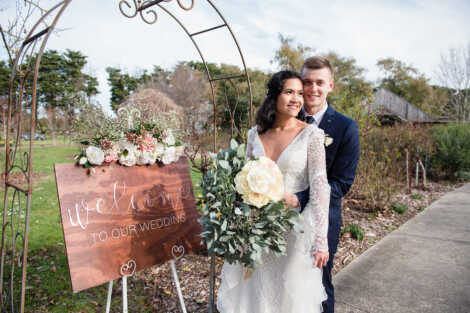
(309, 119)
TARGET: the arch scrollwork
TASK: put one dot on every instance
(123, 3)
(143, 8)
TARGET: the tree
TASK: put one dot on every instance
(122, 85)
(454, 73)
(288, 57)
(62, 85)
(4, 91)
(232, 96)
(408, 83)
(351, 90)
(13, 32)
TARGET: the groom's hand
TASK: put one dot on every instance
(321, 258)
(291, 200)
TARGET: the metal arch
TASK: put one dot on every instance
(16, 98)
(146, 6)
(18, 226)
(243, 60)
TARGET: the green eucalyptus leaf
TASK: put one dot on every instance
(241, 151)
(233, 144)
(225, 165)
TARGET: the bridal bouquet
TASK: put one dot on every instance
(145, 143)
(242, 208)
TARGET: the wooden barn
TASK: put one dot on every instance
(391, 108)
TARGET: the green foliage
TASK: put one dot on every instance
(355, 231)
(451, 157)
(288, 57)
(399, 208)
(233, 229)
(351, 90)
(232, 96)
(123, 84)
(381, 170)
(417, 196)
(61, 78)
(408, 83)
(4, 78)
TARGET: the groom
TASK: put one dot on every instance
(341, 155)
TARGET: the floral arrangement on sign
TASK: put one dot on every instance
(242, 208)
(136, 142)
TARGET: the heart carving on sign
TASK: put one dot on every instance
(177, 252)
(128, 269)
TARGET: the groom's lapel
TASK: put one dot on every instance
(327, 121)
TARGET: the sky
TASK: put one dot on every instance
(416, 32)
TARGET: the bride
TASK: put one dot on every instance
(291, 283)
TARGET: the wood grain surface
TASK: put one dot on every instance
(117, 214)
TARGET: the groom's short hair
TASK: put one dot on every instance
(316, 63)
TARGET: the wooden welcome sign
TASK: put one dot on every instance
(125, 218)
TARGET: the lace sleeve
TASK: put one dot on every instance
(319, 198)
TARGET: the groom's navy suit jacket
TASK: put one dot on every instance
(341, 162)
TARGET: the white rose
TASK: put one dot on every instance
(259, 179)
(180, 151)
(168, 138)
(277, 191)
(158, 150)
(82, 161)
(241, 184)
(259, 182)
(256, 199)
(128, 158)
(144, 157)
(169, 155)
(94, 155)
(126, 145)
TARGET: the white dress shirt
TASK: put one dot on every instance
(317, 117)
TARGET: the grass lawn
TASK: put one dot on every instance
(48, 283)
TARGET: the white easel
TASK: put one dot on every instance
(128, 269)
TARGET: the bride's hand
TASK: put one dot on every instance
(291, 200)
(321, 258)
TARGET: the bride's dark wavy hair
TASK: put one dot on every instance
(267, 112)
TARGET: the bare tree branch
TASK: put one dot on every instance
(454, 73)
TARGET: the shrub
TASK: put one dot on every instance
(417, 196)
(399, 208)
(355, 231)
(452, 150)
(381, 170)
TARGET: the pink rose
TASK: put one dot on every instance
(110, 157)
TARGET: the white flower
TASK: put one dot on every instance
(126, 145)
(328, 140)
(256, 199)
(167, 137)
(169, 155)
(128, 157)
(94, 155)
(180, 151)
(259, 182)
(158, 150)
(144, 157)
(82, 160)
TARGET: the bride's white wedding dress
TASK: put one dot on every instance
(291, 283)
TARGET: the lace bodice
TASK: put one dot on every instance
(303, 165)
